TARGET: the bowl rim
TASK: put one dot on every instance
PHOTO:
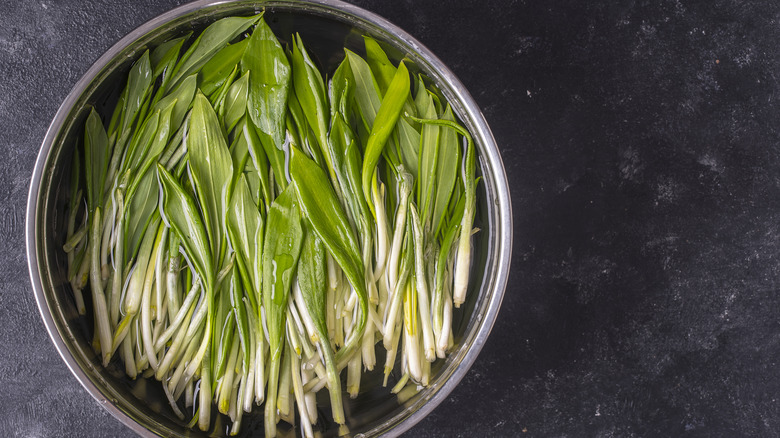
(489, 154)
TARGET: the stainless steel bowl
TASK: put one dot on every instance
(327, 26)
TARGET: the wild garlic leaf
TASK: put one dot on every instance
(217, 99)
(240, 311)
(180, 213)
(117, 116)
(367, 95)
(158, 143)
(215, 71)
(212, 40)
(269, 86)
(143, 138)
(341, 88)
(95, 159)
(321, 207)
(139, 210)
(313, 280)
(245, 231)
(429, 153)
(347, 167)
(281, 249)
(446, 171)
(235, 102)
(380, 65)
(300, 133)
(409, 145)
(163, 57)
(211, 167)
(183, 95)
(383, 70)
(384, 123)
(247, 133)
(310, 91)
(138, 82)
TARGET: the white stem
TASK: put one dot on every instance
(195, 363)
(128, 357)
(367, 344)
(297, 384)
(159, 278)
(463, 261)
(248, 384)
(173, 404)
(98, 297)
(146, 317)
(108, 226)
(173, 352)
(303, 311)
(293, 335)
(189, 395)
(353, 376)
(226, 382)
(117, 282)
(381, 240)
(443, 341)
(423, 302)
(393, 314)
(310, 397)
(183, 311)
(398, 240)
(412, 354)
(392, 352)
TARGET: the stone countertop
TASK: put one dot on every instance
(642, 147)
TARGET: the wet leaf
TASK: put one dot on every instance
(211, 167)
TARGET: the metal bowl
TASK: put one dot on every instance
(327, 26)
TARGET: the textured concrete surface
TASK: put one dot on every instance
(641, 142)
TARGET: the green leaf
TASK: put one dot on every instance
(139, 211)
(180, 213)
(281, 249)
(259, 158)
(242, 321)
(215, 72)
(341, 88)
(367, 95)
(384, 123)
(163, 57)
(429, 153)
(235, 102)
(321, 207)
(211, 41)
(142, 140)
(269, 86)
(117, 115)
(160, 139)
(347, 165)
(446, 172)
(245, 230)
(211, 167)
(409, 145)
(381, 66)
(143, 193)
(313, 280)
(96, 159)
(183, 95)
(300, 133)
(310, 91)
(138, 82)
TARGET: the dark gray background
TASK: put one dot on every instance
(641, 143)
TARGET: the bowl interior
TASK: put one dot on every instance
(325, 29)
